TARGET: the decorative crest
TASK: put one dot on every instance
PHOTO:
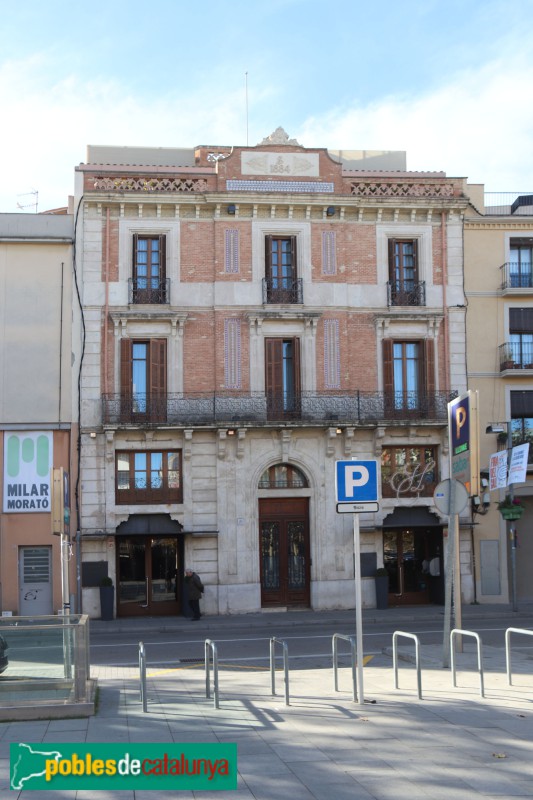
(279, 136)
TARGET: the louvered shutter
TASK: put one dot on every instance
(158, 380)
(125, 379)
(388, 377)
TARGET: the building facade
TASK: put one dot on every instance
(499, 290)
(252, 315)
(36, 414)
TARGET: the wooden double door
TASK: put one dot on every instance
(284, 552)
(149, 575)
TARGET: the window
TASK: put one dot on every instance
(520, 339)
(148, 477)
(522, 419)
(149, 283)
(281, 281)
(408, 376)
(282, 378)
(520, 261)
(143, 372)
(283, 476)
(408, 471)
(405, 289)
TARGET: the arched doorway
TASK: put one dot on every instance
(149, 558)
(284, 550)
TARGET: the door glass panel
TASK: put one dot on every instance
(164, 569)
(156, 470)
(270, 555)
(296, 555)
(390, 560)
(132, 572)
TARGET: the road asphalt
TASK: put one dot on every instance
(452, 744)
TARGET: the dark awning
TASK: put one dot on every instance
(150, 524)
(414, 517)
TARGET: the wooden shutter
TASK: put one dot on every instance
(392, 243)
(415, 257)
(428, 365)
(125, 379)
(158, 380)
(428, 398)
(162, 259)
(296, 367)
(274, 366)
(388, 377)
(268, 257)
(294, 268)
(134, 256)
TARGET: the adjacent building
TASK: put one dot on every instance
(250, 316)
(36, 411)
(499, 290)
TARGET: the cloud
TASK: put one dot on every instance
(478, 125)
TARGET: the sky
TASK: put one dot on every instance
(448, 81)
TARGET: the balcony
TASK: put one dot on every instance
(406, 293)
(515, 276)
(516, 204)
(516, 356)
(146, 291)
(257, 408)
(282, 290)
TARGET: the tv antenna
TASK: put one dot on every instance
(35, 194)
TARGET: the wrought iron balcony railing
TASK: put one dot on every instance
(406, 293)
(257, 408)
(516, 355)
(282, 290)
(516, 276)
(148, 291)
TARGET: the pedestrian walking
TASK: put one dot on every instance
(195, 589)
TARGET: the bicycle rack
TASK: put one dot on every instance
(211, 646)
(395, 636)
(508, 648)
(273, 642)
(352, 640)
(476, 636)
(142, 675)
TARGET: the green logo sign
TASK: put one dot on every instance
(110, 766)
(28, 458)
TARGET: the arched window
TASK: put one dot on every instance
(283, 476)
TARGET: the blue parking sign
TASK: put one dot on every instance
(356, 481)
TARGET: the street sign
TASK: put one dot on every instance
(356, 482)
(463, 428)
(356, 508)
(442, 495)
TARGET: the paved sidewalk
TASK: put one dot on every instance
(451, 745)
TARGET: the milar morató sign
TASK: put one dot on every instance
(28, 458)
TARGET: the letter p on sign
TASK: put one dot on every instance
(356, 481)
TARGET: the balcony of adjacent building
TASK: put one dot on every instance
(406, 293)
(329, 408)
(516, 357)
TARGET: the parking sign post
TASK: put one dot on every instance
(356, 491)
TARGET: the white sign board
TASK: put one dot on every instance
(518, 465)
(498, 470)
(28, 458)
